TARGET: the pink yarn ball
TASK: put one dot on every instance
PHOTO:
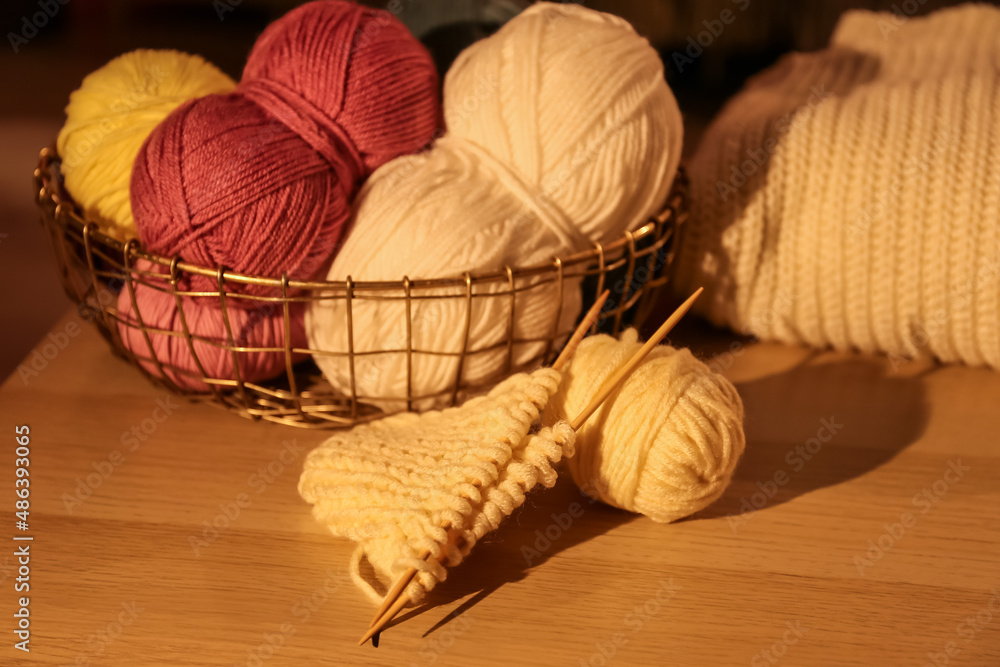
(259, 327)
(260, 181)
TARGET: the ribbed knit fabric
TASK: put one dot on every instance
(396, 485)
(851, 197)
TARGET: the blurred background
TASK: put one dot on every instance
(709, 48)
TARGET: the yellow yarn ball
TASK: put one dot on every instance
(111, 114)
(666, 443)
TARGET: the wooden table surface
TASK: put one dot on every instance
(862, 529)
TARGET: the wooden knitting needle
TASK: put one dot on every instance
(393, 606)
(612, 383)
(394, 599)
(581, 331)
(404, 581)
(567, 353)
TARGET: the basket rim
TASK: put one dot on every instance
(69, 213)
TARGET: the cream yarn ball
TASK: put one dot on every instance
(666, 443)
(109, 117)
(562, 132)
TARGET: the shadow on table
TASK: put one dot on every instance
(823, 422)
(550, 521)
(819, 424)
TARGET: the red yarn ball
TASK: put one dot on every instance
(245, 193)
(388, 104)
(262, 326)
(260, 181)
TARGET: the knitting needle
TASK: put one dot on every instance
(567, 353)
(581, 331)
(602, 394)
(612, 383)
(403, 582)
(394, 599)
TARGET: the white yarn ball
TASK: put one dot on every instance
(666, 443)
(561, 132)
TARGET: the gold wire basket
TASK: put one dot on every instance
(95, 267)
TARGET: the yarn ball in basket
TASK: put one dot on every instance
(561, 132)
(260, 180)
(259, 327)
(666, 443)
(109, 117)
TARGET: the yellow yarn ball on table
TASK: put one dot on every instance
(109, 117)
(666, 443)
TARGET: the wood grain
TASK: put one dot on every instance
(605, 587)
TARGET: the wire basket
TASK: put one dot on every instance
(95, 268)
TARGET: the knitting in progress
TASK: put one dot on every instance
(110, 116)
(665, 443)
(397, 485)
(851, 197)
(561, 132)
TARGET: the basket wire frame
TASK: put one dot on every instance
(95, 267)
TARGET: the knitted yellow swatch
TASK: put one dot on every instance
(395, 486)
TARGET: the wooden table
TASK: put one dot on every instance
(872, 536)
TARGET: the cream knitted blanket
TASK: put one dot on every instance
(851, 197)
